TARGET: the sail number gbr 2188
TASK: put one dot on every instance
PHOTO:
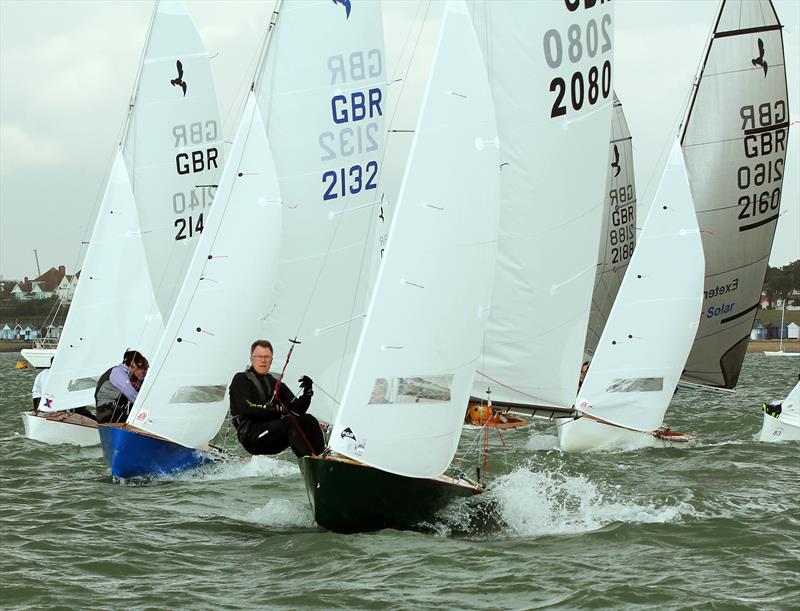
(591, 41)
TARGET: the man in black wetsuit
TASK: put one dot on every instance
(263, 422)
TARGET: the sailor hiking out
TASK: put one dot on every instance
(119, 386)
(268, 422)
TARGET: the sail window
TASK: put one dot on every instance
(418, 389)
(636, 385)
(199, 394)
(82, 384)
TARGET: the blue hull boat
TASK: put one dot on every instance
(132, 453)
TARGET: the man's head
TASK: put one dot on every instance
(261, 356)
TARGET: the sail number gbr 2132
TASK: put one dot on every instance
(593, 40)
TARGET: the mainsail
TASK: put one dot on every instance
(403, 407)
(173, 148)
(222, 299)
(550, 70)
(618, 234)
(322, 95)
(734, 143)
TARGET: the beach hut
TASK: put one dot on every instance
(759, 331)
(793, 330)
(7, 332)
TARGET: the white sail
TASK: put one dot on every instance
(404, 405)
(322, 95)
(173, 149)
(550, 69)
(654, 319)
(618, 234)
(734, 142)
(231, 278)
(113, 308)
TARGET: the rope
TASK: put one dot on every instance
(285, 409)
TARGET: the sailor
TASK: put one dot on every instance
(584, 371)
(119, 386)
(266, 423)
(39, 384)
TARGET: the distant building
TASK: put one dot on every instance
(6, 332)
(54, 282)
(759, 331)
(793, 330)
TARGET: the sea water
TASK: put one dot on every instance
(714, 523)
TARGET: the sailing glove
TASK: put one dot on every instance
(305, 384)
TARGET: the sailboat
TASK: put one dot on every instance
(319, 92)
(554, 120)
(780, 351)
(182, 402)
(113, 310)
(782, 419)
(402, 411)
(734, 139)
(110, 311)
(649, 331)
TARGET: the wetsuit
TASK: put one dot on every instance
(261, 424)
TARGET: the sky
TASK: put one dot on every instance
(67, 70)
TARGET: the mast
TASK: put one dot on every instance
(262, 60)
(135, 90)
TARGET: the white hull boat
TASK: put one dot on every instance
(38, 357)
(782, 420)
(780, 353)
(60, 427)
(584, 434)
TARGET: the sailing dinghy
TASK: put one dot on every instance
(151, 189)
(649, 331)
(782, 420)
(402, 411)
(553, 122)
(182, 403)
(734, 141)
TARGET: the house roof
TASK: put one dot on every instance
(50, 280)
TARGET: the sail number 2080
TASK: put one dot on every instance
(350, 180)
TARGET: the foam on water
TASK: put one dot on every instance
(538, 441)
(236, 468)
(533, 503)
(282, 513)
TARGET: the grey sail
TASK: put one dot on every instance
(734, 145)
(618, 235)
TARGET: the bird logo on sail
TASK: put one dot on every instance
(760, 61)
(348, 434)
(345, 4)
(615, 163)
(179, 82)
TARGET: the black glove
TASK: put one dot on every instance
(305, 384)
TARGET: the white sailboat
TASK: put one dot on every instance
(113, 309)
(649, 331)
(782, 420)
(780, 351)
(182, 403)
(554, 108)
(734, 142)
(403, 408)
(618, 233)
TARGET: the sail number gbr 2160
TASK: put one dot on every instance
(579, 89)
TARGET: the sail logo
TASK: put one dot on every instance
(346, 5)
(615, 163)
(760, 61)
(48, 403)
(348, 434)
(141, 416)
(179, 82)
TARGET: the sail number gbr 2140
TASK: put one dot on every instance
(581, 88)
